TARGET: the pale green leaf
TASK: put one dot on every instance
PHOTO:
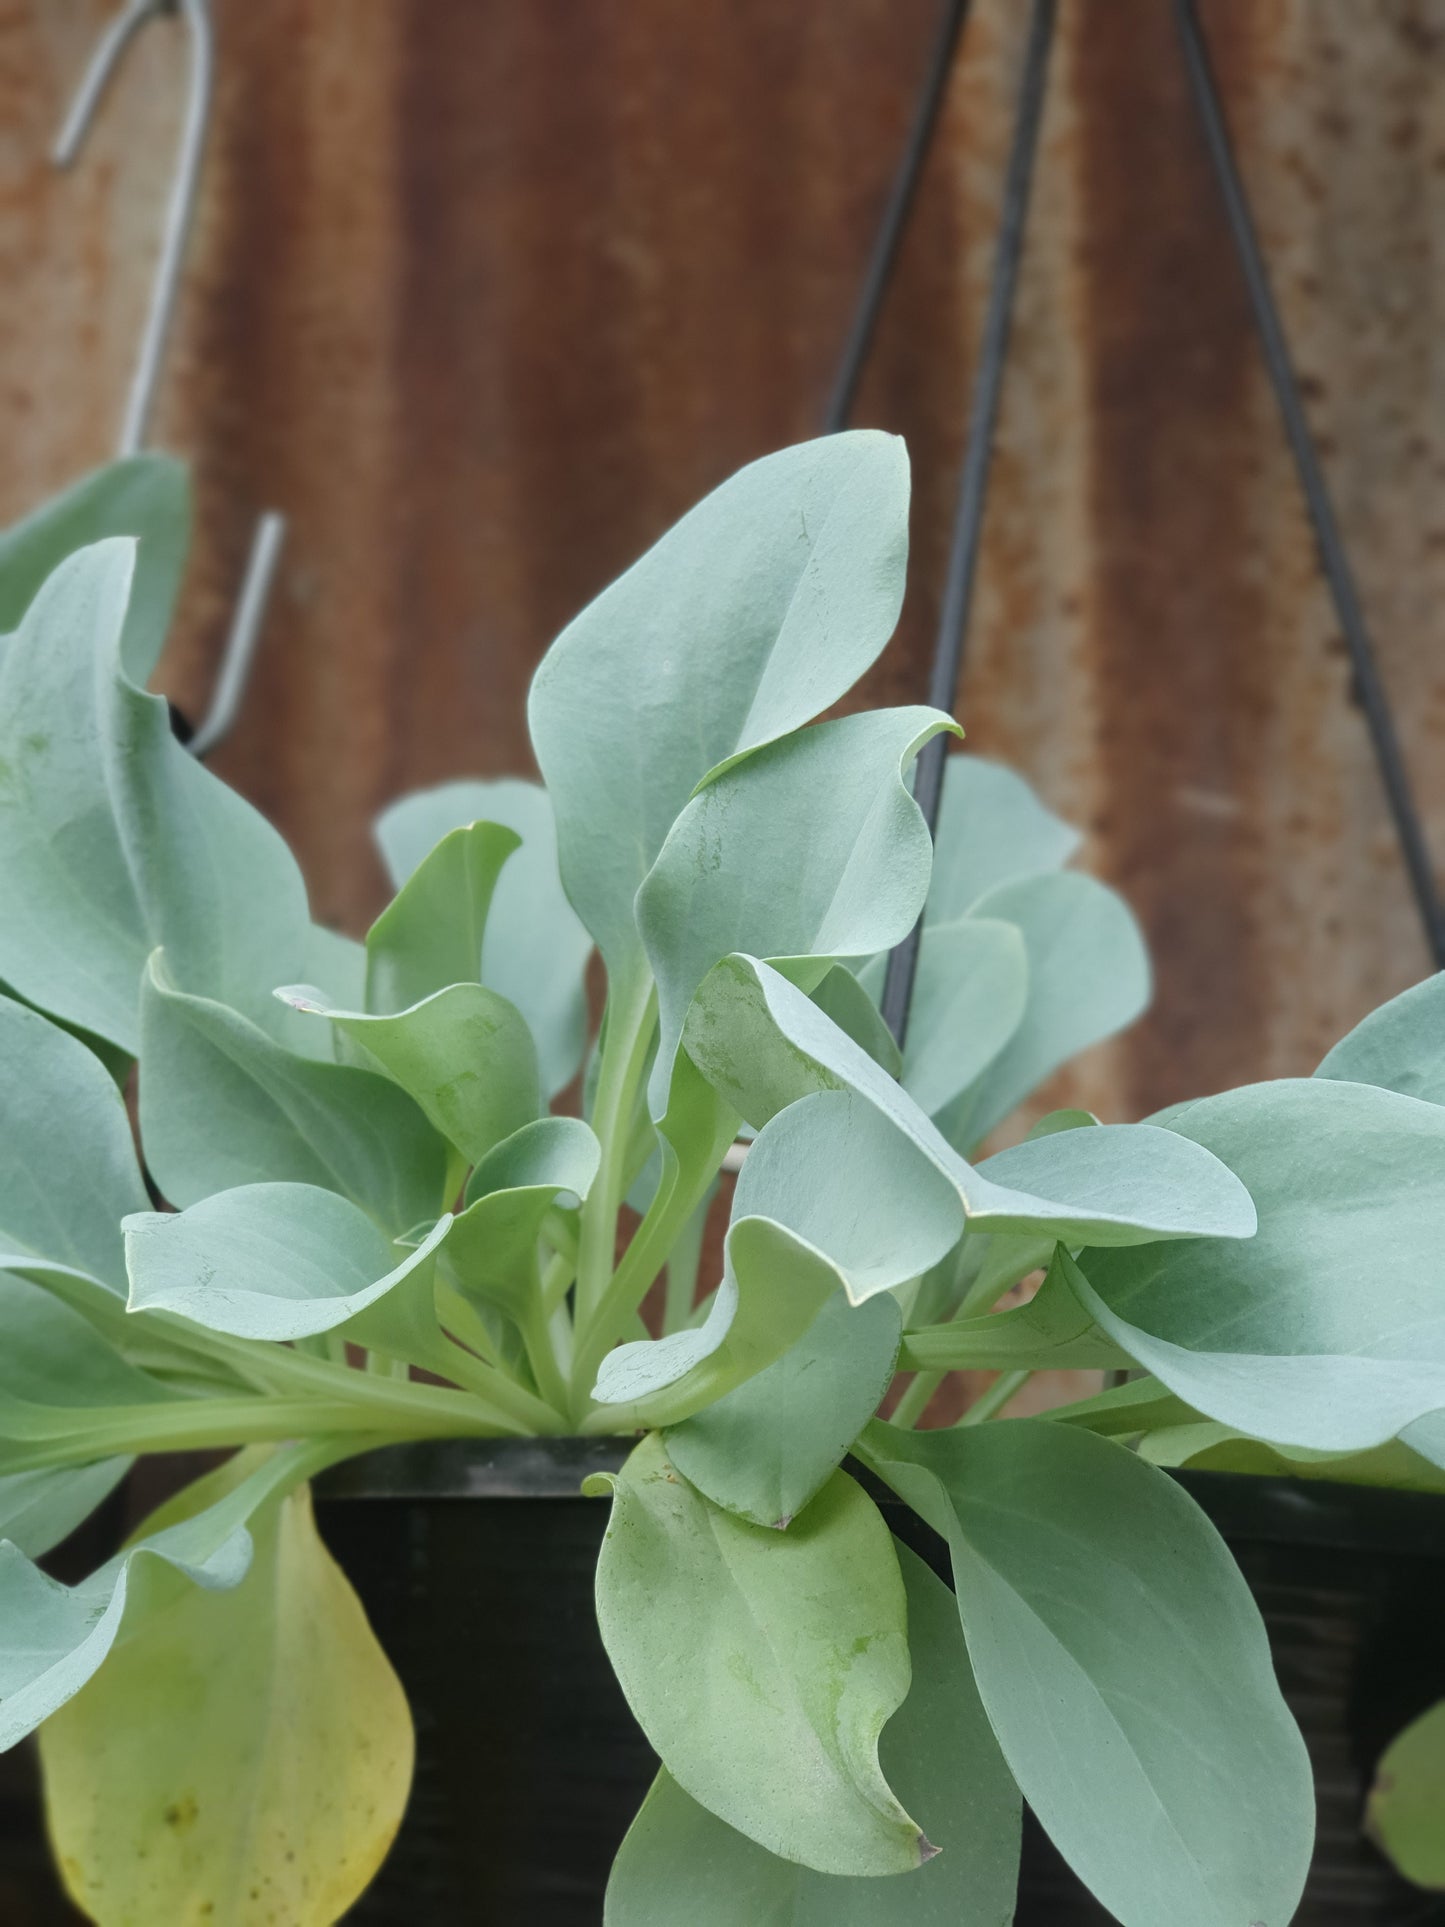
(430, 935)
(763, 1045)
(69, 1174)
(1400, 1046)
(1328, 1328)
(243, 1757)
(1405, 1813)
(464, 1054)
(842, 997)
(812, 848)
(1052, 1331)
(1124, 1668)
(492, 1248)
(535, 950)
(147, 496)
(1088, 976)
(56, 1368)
(274, 1261)
(1204, 1446)
(969, 997)
(761, 1665)
(749, 618)
(830, 1199)
(764, 1449)
(39, 1509)
(680, 1862)
(991, 829)
(114, 841)
(222, 1105)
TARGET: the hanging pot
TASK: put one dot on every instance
(475, 1563)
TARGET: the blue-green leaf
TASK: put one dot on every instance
(811, 849)
(680, 1861)
(222, 1105)
(69, 1174)
(1400, 1046)
(761, 1665)
(147, 496)
(991, 829)
(1124, 1668)
(1328, 1328)
(1088, 976)
(765, 1448)
(763, 1045)
(464, 1054)
(748, 619)
(535, 950)
(114, 841)
(275, 1261)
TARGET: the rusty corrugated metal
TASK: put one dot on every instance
(483, 295)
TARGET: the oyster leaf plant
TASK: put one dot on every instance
(363, 1159)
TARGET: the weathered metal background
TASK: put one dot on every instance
(484, 292)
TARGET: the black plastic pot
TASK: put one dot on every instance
(476, 1562)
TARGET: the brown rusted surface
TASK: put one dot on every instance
(482, 297)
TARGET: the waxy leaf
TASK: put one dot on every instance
(464, 1054)
(969, 998)
(764, 1449)
(255, 1744)
(1051, 1331)
(680, 1862)
(763, 1045)
(843, 998)
(830, 1200)
(1088, 976)
(430, 934)
(761, 1665)
(147, 496)
(748, 619)
(1328, 1328)
(276, 1261)
(54, 1637)
(492, 1248)
(56, 1368)
(286, 1119)
(1124, 1668)
(1207, 1447)
(535, 950)
(1400, 1046)
(811, 848)
(1407, 1800)
(68, 1175)
(40, 1509)
(114, 841)
(991, 829)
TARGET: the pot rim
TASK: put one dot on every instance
(1243, 1506)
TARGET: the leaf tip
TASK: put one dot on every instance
(926, 1850)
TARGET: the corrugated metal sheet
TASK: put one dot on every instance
(482, 295)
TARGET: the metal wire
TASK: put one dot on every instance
(239, 652)
(895, 217)
(1335, 563)
(973, 479)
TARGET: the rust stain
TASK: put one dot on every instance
(483, 297)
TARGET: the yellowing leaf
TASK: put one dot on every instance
(242, 1758)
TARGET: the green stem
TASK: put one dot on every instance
(557, 1276)
(915, 1400)
(682, 1267)
(996, 1397)
(630, 1022)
